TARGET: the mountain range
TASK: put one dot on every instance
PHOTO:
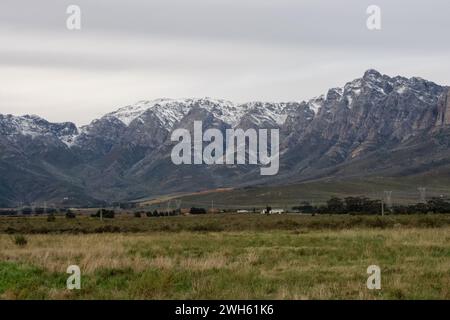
(375, 125)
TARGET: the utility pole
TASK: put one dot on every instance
(382, 207)
(387, 199)
(423, 195)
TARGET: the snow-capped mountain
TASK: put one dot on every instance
(171, 111)
(34, 126)
(126, 153)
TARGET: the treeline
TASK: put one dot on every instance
(104, 213)
(435, 205)
(30, 210)
(156, 213)
(363, 205)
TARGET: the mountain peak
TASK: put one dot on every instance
(127, 151)
(372, 73)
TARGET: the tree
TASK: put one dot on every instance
(109, 214)
(70, 214)
(304, 207)
(335, 205)
(362, 205)
(354, 204)
(39, 210)
(8, 212)
(197, 211)
(439, 205)
(27, 210)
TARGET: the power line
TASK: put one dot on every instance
(423, 194)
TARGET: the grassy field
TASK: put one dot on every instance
(404, 191)
(227, 257)
(126, 223)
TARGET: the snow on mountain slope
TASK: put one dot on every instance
(28, 125)
(316, 103)
(129, 113)
(170, 111)
(379, 86)
(371, 87)
(33, 126)
(267, 112)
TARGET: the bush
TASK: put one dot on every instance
(20, 240)
(197, 211)
(39, 210)
(137, 214)
(207, 227)
(304, 207)
(27, 210)
(51, 217)
(336, 205)
(104, 213)
(70, 214)
(8, 212)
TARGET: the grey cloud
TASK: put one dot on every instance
(320, 22)
(234, 49)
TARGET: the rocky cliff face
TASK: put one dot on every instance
(126, 154)
(443, 117)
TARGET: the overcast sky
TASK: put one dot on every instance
(240, 50)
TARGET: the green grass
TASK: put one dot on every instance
(404, 191)
(28, 282)
(251, 257)
(127, 223)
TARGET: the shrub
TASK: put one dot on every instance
(104, 213)
(50, 210)
(137, 214)
(20, 240)
(304, 207)
(27, 210)
(51, 217)
(336, 205)
(107, 229)
(8, 212)
(70, 214)
(39, 210)
(197, 211)
(207, 227)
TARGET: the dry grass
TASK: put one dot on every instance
(110, 251)
(126, 223)
(415, 264)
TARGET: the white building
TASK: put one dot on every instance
(273, 211)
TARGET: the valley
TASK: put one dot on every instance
(373, 134)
